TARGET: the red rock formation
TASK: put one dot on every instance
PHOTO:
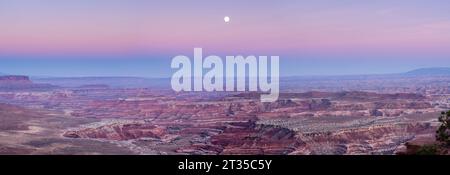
(118, 132)
(249, 138)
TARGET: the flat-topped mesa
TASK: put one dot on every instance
(15, 79)
(20, 82)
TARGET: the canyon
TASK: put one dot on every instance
(328, 115)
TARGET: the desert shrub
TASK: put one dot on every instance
(442, 133)
(428, 150)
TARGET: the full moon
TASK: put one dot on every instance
(226, 19)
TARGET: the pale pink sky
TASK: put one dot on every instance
(51, 26)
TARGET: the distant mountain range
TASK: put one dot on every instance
(128, 82)
(421, 71)
(436, 71)
(165, 82)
